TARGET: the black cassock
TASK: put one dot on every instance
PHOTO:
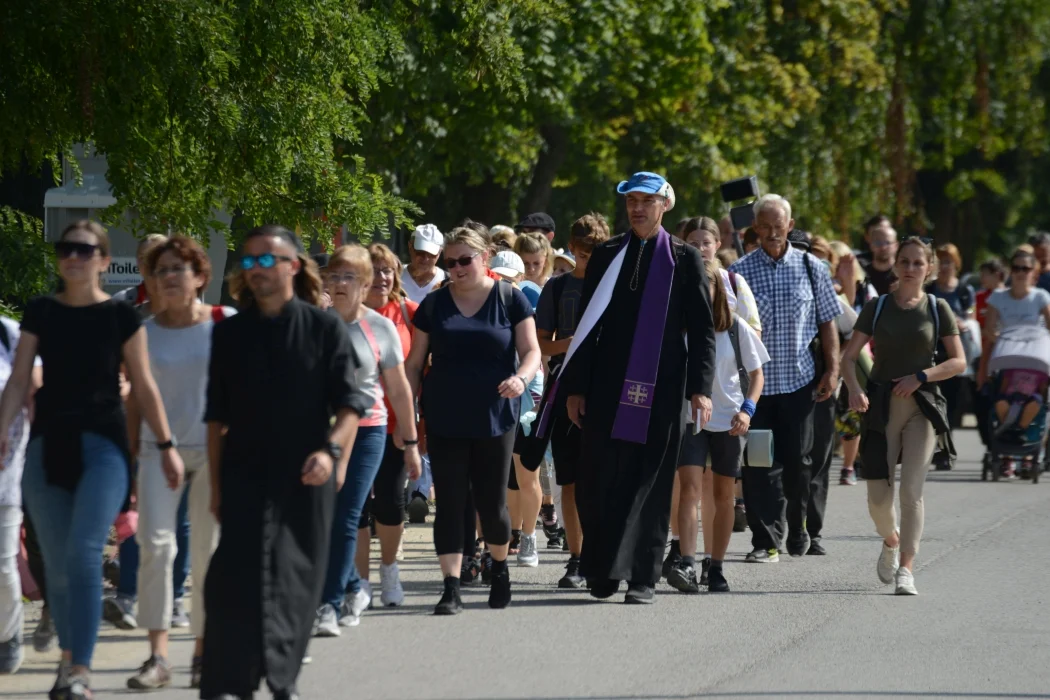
(623, 489)
(276, 382)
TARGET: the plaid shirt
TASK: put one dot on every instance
(790, 315)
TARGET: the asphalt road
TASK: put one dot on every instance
(812, 627)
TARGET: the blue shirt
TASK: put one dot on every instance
(532, 291)
(470, 357)
(784, 293)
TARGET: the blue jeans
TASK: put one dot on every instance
(72, 527)
(128, 586)
(342, 576)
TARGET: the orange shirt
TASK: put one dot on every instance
(392, 310)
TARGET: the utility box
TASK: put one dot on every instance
(71, 202)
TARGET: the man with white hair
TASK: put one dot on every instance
(422, 275)
(797, 304)
(625, 374)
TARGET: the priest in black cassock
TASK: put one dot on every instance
(281, 370)
(645, 295)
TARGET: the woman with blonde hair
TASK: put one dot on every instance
(481, 337)
(535, 251)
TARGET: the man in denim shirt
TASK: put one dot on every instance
(796, 302)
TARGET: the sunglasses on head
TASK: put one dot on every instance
(75, 249)
(450, 263)
(265, 261)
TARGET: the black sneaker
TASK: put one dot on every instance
(499, 594)
(602, 589)
(572, 578)
(549, 519)
(797, 546)
(739, 517)
(555, 540)
(640, 594)
(564, 540)
(451, 603)
(470, 572)
(682, 577)
(674, 557)
(486, 569)
(762, 556)
(705, 566)
(816, 549)
(716, 581)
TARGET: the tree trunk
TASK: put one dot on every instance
(538, 194)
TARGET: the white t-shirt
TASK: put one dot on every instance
(1019, 312)
(414, 291)
(18, 433)
(179, 358)
(726, 394)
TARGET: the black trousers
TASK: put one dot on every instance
(783, 489)
(823, 448)
(465, 468)
(388, 504)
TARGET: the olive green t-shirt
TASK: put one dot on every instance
(904, 342)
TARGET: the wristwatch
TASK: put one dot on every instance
(167, 444)
(524, 381)
(921, 376)
(334, 450)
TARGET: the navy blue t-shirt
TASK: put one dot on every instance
(470, 357)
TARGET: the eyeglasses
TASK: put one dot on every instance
(75, 249)
(265, 261)
(1021, 268)
(384, 271)
(451, 263)
(173, 270)
(348, 278)
(882, 244)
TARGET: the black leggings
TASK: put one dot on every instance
(388, 503)
(466, 468)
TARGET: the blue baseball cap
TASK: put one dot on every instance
(649, 183)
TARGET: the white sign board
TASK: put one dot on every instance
(122, 272)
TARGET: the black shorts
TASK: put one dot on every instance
(726, 452)
(566, 444)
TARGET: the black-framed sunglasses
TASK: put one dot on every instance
(1021, 268)
(463, 261)
(265, 261)
(75, 249)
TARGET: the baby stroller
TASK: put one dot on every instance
(1019, 371)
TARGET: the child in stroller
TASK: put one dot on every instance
(1020, 367)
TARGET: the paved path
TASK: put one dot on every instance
(804, 628)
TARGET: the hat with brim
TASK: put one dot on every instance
(507, 263)
(428, 239)
(649, 183)
(567, 257)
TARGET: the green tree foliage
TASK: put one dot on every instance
(28, 263)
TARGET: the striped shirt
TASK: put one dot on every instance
(784, 291)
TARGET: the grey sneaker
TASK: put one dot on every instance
(179, 616)
(889, 562)
(327, 624)
(353, 605)
(11, 655)
(390, 581)
(119, 611)
(905, 582)
(154, 674)
(763, 556)
(527, 554)
(44, 635)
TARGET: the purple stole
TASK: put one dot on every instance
(636, 396)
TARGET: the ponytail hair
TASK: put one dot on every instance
(719, 301)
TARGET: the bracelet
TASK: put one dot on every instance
(748, 407)
(406, 443)
(524, 382)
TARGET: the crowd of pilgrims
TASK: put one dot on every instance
(594, 396)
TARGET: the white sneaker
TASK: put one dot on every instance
(390, 580)
(905, 582)
(889, 562)
(366, 586)
(327, 624)
(527, 554)
(355, 604)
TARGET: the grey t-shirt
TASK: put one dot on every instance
(563, 320)
(387, 345)
(1019, 312)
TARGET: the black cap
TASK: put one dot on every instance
(279, 232)
(538, 220)
(799, 239)
(321, 259)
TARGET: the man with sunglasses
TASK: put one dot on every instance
(280, 371)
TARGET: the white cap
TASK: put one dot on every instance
(507, 263)
(428, 239)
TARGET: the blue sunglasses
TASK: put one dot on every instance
(265, 261)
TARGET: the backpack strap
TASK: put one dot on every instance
(936, 317)
(734, 338)
(557, 289)
(404, 313)
(732, 281)
(372, 342)
(878, 312)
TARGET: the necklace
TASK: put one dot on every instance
(637, 267)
